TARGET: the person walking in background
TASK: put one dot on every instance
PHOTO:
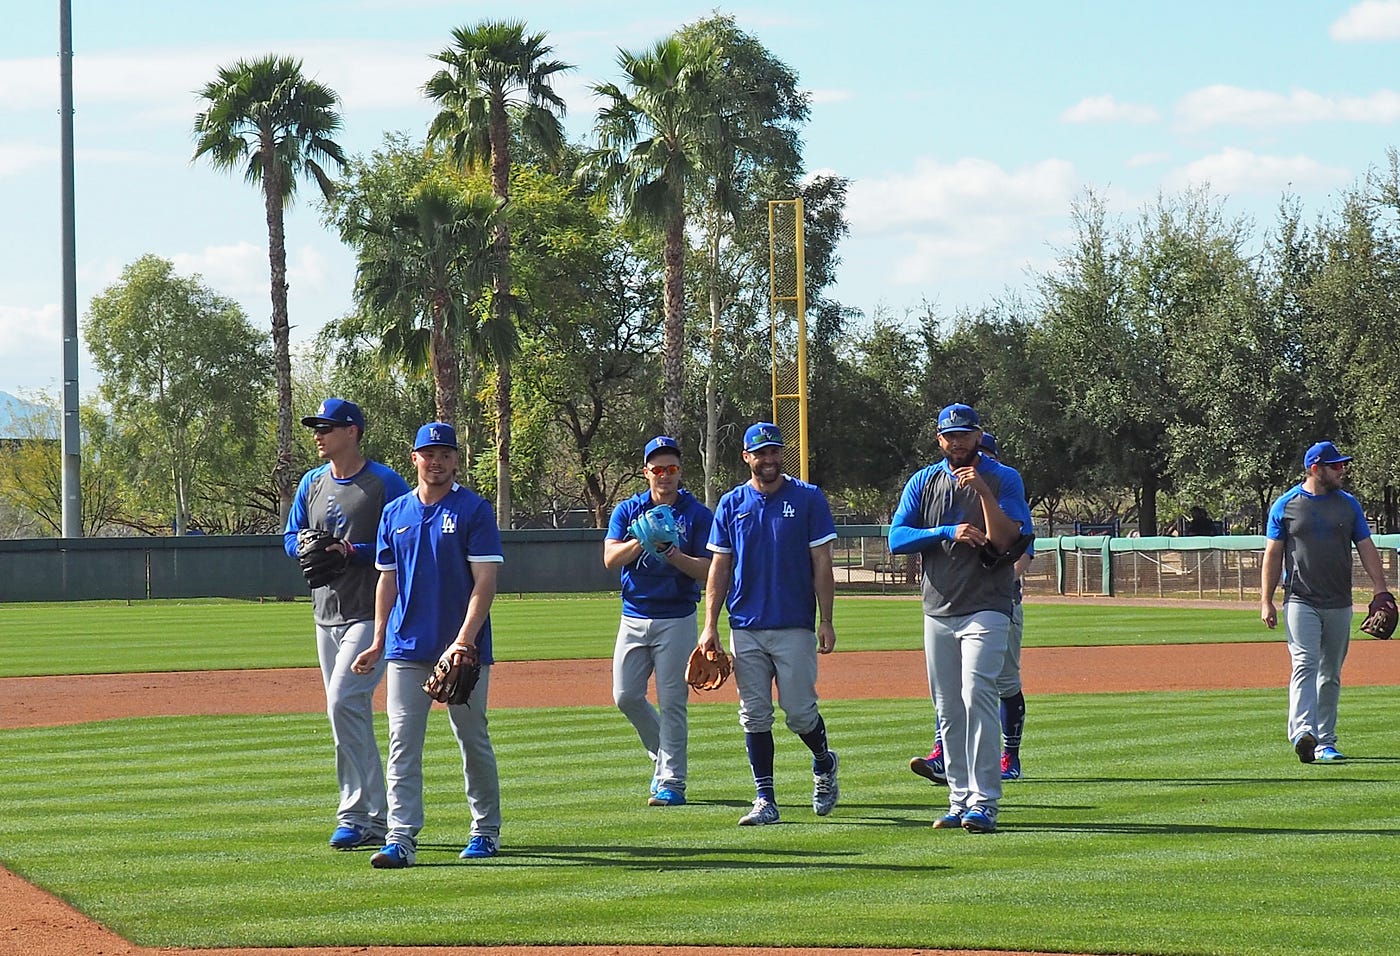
(1013, 700)
(949, 513)
(1311, 529)
(345, 497)
(438, 554)
(772, 568)
(658, 629)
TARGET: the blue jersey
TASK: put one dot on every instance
(771, 538)
(348, 508)
(431, 549)
(1317, 532)
(926, 521)
(651, 586)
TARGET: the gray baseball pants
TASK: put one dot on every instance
(1318, 639)
(408, 723)
(359, 770)
(964, 654)
(785, 657)
(661, 646)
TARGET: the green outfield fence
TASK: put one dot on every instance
(1222, 567)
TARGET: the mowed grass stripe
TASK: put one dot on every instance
(114, 637)
(1148, 823)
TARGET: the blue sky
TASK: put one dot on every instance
(967, 129)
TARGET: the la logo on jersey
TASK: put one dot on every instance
(788, 510)
(449, 524)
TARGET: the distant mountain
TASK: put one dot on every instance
(12, 409)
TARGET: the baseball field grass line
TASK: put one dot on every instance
(115, 637)
(1147, 823)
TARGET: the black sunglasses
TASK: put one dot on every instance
(323, 429)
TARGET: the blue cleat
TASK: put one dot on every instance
(1010, 766)
(666, 797)
(1329, 754)
(394, 856)
(479, 848)
(349, 838)
(978, 820)
(949, 821)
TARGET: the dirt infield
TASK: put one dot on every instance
(35, 923)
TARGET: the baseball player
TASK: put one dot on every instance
(658, 629)
(1310, 533)
(345, 496)
(771, 540)
(439, 552)
(1013, 701)
(949, 512)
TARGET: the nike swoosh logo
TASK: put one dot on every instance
(744, 515)
(401, 530)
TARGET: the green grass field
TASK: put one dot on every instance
(1160, 823)
(1147, 823)
(115, 637)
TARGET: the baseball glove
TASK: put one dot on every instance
(656, 529)
(1381, 616)
(454, 677)
(708, 671)
(320, 564)
(991, 558)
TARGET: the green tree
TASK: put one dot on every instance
(31, 475)
(652, 142)
(266, 117)
(184, 375)
(753, 156)
(424, 262)
(493, 69)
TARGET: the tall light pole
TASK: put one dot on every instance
(72, 457)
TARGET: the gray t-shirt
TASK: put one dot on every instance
(955, 582)
(1317, 532)
(348, 508)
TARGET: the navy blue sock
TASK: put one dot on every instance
(815, 739)
(760, 748)
(1013, 720)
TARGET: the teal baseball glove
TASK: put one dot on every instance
(656, 530)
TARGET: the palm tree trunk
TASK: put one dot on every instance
(283, 480)
(501, 303)
(446, 380)
(673, 360)
(711, 455)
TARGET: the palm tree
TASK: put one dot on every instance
(424, 265)
(266, 117)
(651, 150)
(494, 70)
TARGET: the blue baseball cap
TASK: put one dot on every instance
(336, 411)
(958, 418)
(1323, 453)
(989, 444)
(763, 435)
(661, 443)
(435, 433)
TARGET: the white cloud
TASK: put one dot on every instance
(1139, 160)
(17, 158)
(1231, 105)
(820, 97)
(1106, 109)
(161, 82)
(1235, 171)
(31, 340)
(969, 216)
(1372, 20)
